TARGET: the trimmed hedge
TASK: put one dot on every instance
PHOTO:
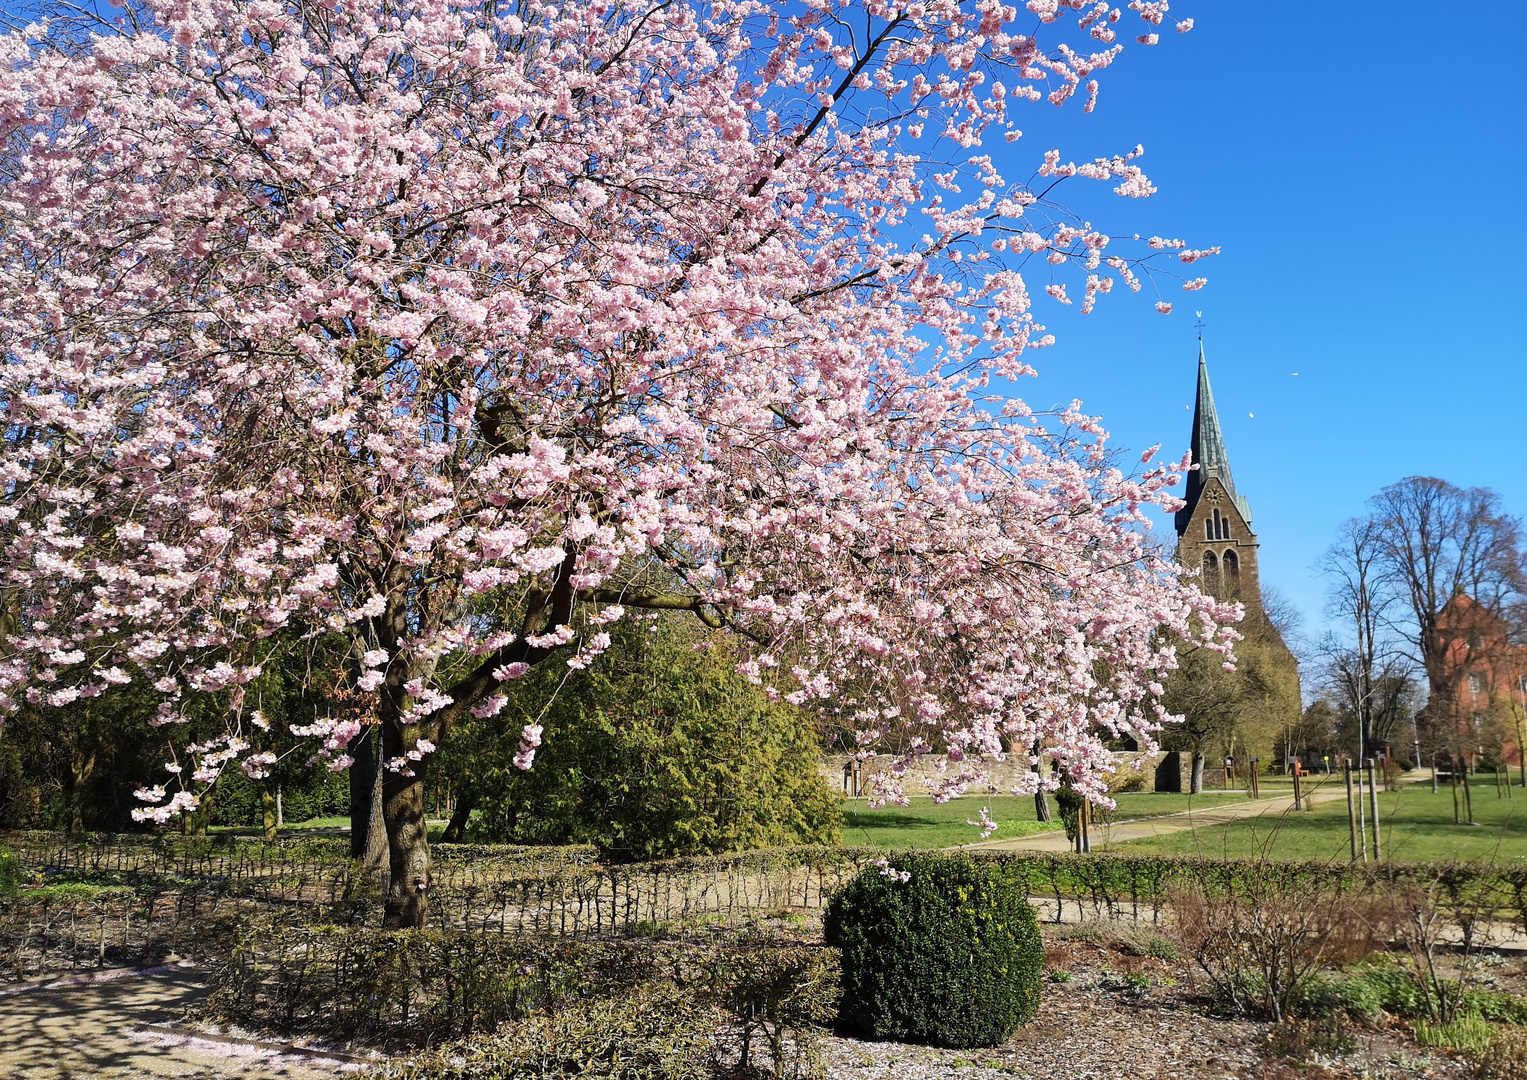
(411, 988)
(656, 1032)
(747, 1011)
(936, 949)
(567, 893)
(10, 872)
(801, 878)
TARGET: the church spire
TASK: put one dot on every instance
(1208, 447)
(1208, 441)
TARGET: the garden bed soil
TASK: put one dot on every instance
(1125, 1017)
(1107, 1014)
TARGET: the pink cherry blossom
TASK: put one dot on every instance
(449, 332)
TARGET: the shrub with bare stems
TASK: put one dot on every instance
(1261, 937)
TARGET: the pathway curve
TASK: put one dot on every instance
(95, 1026)
(1121, 832)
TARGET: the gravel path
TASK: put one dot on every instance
(1121, 832)
(93, 1026)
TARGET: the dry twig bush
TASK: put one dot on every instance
(1262, 940)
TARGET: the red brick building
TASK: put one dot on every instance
(1476, 687)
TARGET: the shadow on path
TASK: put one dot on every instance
(88, 1029)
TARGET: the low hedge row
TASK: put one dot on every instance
(1108, 879)
(70, 927)
(565, 893)
(657, 1032)
(412, 988)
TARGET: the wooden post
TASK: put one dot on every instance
(1256, 780)
(1085, 820)
(1351, 811)
(1468, 796)
(1298, 798)
(1373, 805)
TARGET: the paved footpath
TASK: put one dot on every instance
(94, 1026)
(1121, 832)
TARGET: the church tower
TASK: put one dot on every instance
(1214, 529)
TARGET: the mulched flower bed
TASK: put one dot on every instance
(1111, 1015)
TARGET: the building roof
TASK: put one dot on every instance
(1208, 450)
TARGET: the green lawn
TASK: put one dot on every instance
(255, 830)
(925, 824)
(436, 827)
(1417, 827)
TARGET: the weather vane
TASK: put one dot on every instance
(1199, 325)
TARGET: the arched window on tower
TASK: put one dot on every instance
(1211, 571)
(1232, 565)
(1208, 528)
(1224, 526)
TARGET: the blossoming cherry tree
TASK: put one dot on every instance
(460, 331)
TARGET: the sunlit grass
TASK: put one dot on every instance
(926, 824)
(1417, 826)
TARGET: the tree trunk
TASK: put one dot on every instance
(1196, 784)
(201, 817)
(81, 769)
(407, 839)
(368, 833)
(457, 826)
(1041, 803)
(267, 813)
(362, 780)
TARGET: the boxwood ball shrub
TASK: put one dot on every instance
(937, 949)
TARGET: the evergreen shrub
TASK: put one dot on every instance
(938, 949)
(658, 748)
(1070, 803)
(10, 872)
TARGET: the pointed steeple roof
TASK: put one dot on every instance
(1208, 449)
(1208, 441)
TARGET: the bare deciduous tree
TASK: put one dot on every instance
(1359, 599)
(1434, 541)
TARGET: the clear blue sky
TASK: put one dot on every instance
(1364, 168)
